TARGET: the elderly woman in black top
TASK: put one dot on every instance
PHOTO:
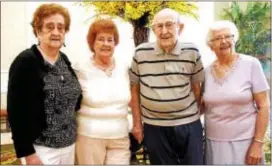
(44, 93)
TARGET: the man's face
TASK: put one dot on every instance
(166, 30)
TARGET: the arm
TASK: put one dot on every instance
(136, 113)
(254, 155)
(263, 105)
(198, 79)
(134, 77)
(19, 107)
(135, 105)
(197, 92)
(260, 95)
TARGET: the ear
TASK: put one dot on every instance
(210, 45)
(37, 32)
(180, 28)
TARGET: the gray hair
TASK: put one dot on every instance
(222, 24)
(169, 11)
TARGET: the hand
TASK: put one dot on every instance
(137, 132)
(33, 159)
(202, 107)
(254, 153)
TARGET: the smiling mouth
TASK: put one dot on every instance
(225, 47)
(165, 38)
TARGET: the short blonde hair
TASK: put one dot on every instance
(222, 24)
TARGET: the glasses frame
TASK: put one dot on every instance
(221, 38)
(167, 24)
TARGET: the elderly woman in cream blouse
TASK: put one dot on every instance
(236, 101)
(102, 120)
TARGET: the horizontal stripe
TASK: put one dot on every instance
(165, 100)
(133, 72)
(135, 60)
(163, 112)
(190, 48)
(166, 74)
(198, 58)
(175, 118)
(199, 70)
(167, 60)
(164, 87)
(144, 49)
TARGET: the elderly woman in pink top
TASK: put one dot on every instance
(236, 101)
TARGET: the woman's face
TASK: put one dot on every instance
(53, 32)
(104, 44)
(222, 42)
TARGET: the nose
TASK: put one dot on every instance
(223, 40)
(55, 31)
(164, 29)
(106, 43)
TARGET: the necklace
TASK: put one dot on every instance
(106, 69)
(221, 72)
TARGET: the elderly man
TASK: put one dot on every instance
(165, 85)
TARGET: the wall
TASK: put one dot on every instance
(17, 35)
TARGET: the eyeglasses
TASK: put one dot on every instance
(168, 25)
(220, 39)
(49, 27)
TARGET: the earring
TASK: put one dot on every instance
(64, 45)
(39, 43)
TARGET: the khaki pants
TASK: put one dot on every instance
(102, 151)
(52, 156)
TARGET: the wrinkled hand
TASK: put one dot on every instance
(137, 132)
(254, 154)
(33, 159)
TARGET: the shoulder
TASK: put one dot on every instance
(82, 64)
(189, 49)
(122, 65)
(188, 46)
(145, 47)
(249, 60)
(65, 58)
(26, 58)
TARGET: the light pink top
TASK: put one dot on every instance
(230, 109)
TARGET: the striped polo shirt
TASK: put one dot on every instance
(166, 95)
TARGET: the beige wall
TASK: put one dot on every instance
(13, 30)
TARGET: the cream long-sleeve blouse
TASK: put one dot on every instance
(104, 107)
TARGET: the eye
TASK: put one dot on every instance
(169, 24)
(159, 25)
(110, 40)
(228, 36)
(50, 26)
(61, 28)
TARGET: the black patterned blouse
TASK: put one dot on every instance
(61, 93)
